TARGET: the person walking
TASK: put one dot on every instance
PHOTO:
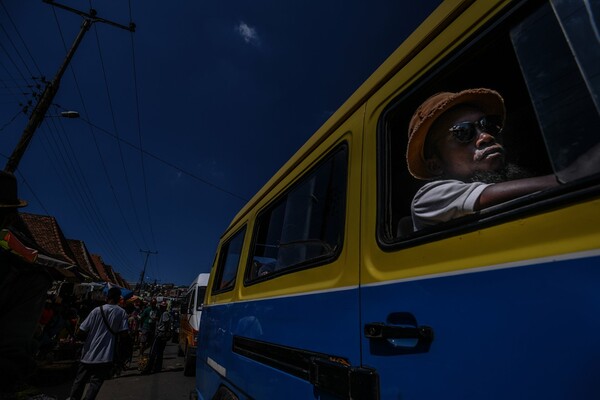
(98, 352)
(162, 334)
(148, 319)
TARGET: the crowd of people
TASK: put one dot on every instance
(100, 333)
(107, 335)
(73, 328)
(60, 319)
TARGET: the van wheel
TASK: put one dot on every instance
(189, 363)
(224, 394)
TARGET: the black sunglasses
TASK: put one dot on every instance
(466, 131)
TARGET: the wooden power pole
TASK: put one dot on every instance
(44, 102)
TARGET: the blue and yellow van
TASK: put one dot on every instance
(321, 288)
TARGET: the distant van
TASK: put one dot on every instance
(321, 290)
(191, 310)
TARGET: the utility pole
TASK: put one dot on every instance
(141, 284)
(51, 88)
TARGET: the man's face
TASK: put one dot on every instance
(454, 158)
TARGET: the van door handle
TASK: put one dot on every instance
(379, 330)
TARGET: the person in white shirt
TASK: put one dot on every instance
(98, 354)
(453, 142)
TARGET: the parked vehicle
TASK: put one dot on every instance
(189, 322)
(319, 290)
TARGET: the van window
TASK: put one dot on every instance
(305, 226)
(564, 81)
(547, 71)
(229, 260)
(189, 300)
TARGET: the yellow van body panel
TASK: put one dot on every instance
(542, 236)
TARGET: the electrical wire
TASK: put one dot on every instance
(21, 38)
(77, 186)
(139, 129)
(16, 50)
(10, 121)
(35, 196)
(85, 112)
(168, 163)
(112, 113)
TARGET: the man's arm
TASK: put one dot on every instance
(505, 191)
(586, 164)
(82, 330)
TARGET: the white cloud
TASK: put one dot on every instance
(248, 33)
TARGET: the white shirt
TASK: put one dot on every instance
(100, 343)
(441, 201)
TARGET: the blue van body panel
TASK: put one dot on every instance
(318, 322)
(522, 332)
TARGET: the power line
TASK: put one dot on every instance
(12, 60)
(110, 105)
(33, 192)
(11, 120)
(102, 161)
(16, 50)
(82, 194)
(139, 129)
(20, 37)
(170, 164)
(52, 87)
(75, 182)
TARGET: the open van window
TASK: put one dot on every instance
(550, 86)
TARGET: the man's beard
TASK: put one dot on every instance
(508, 173)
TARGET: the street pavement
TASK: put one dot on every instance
(169, 384)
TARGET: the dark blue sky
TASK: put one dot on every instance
(217, 94)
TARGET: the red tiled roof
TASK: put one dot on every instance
(83, 257)
(99, 264)
(47, 235)
(110, 273)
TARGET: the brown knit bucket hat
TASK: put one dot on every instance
(8, 191)
(487, 100)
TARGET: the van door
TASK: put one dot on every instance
(502, 303)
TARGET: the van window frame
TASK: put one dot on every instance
(199, 299)
(342, 147)
(222, 258)
(528, 205)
